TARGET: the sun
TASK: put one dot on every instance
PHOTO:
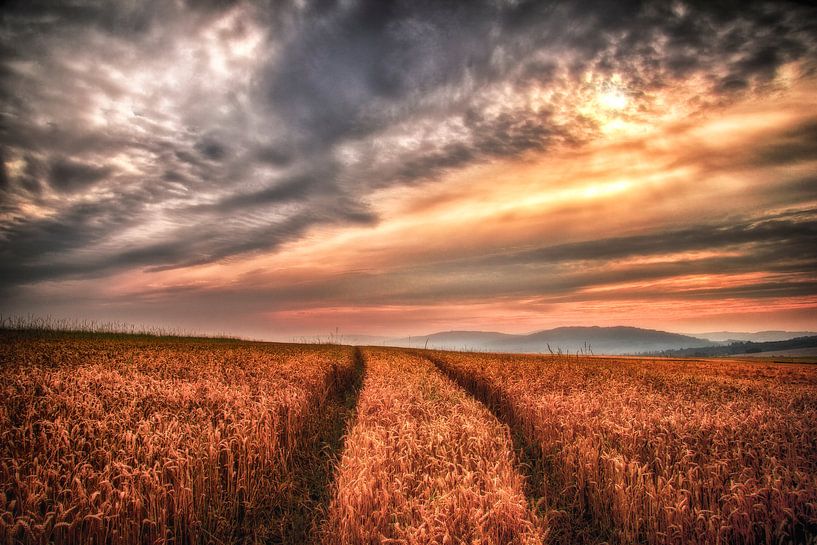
(611, 108)
(610, 104)
(613, 99)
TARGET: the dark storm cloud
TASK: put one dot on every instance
(797, 190)
(505, 136)
(292, 189)
(793, 146)
(212, 149)
(202, 154)
(119, 19)
(791, 233)
(349, 71)
(4, 179)
(82, 225)
(273, 156)
(780, 246)
(782, 243)
(68, 175)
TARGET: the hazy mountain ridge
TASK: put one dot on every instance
(594, 339)
(758, 336)
(587, 339)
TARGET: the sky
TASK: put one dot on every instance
(285, 169)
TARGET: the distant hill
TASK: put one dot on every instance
(598, 340)
(745, 347)
(758, 337)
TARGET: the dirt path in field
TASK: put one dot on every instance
(315, 464)
(566, 526)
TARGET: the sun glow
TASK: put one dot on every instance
(613, 99)
(612, 107)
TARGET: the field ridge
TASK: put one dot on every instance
(426, 463)
(566, 526)
(315, 465)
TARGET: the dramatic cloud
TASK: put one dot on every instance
(404, 153)
(67, 175)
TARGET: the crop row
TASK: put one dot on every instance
(661, 451)
(425, 463)
(143, 441)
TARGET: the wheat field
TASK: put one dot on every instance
(664, 451)
(426, 463)
(147, 440)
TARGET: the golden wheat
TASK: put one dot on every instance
(425, 463)
(146, 441)
(136, 440)
(666, 451)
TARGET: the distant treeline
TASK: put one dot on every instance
(47, 325)
(741, 347)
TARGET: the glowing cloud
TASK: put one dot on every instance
(405, 168)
